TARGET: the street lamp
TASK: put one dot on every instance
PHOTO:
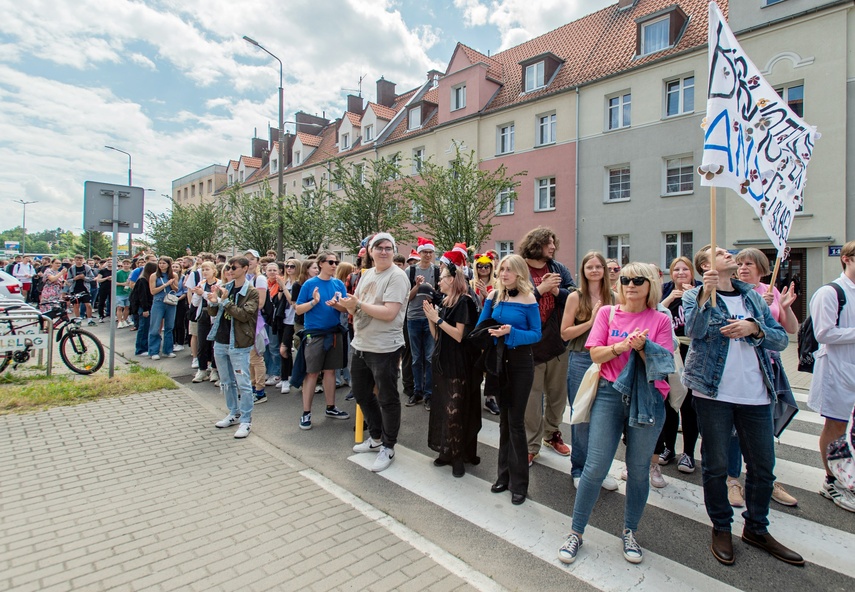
(280, 230)
(130, 182)
(24, 224)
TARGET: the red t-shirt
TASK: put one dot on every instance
(547, 301)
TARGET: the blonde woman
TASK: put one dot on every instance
(512, 304)
(198, 304)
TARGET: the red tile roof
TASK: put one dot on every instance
(382, 111)
(494, 68)
(309, 139)
(251, 162)
(355, 118)
(258, 174)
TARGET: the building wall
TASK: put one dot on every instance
(199, 187)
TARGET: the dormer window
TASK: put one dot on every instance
(274, 165)
(660, 30)
(241, 176)
(414, 118)
(297, 157)
(344, 144)
(534, 77)
(458, 97)
(231, 179)
(369, 133)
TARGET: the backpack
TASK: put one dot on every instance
(412, 272)
(806, 337)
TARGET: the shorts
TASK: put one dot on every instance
(123, 301)
(193, 328)
(317, 359)
(84, 298)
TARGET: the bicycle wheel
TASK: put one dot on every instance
(81, 351)
(5, 358)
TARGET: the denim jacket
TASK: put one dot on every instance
(244, 314)
(636, 382)
(708, 351)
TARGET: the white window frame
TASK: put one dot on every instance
(298, 155)
(535, 76)
(274, 165)
(620, 248)
(414, 118)
(620, 169)
(784, 92)
(359, 172)
(458, 97)
(686, 170)
(621, 104)
(309, 182)
(504, 248)
(546, 129)
(505, 205)
(548, 185)
(505, 138)
(369, 133)
(683, 85)
(418, 159)
(681, 244)
(344, 143)
(645, 26)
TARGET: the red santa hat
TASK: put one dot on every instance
(454, 256)
(461, 248)
(413, 255)
(425, 243)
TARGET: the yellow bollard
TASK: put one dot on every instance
(358, 434)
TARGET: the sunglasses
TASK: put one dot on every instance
(233, 267)
(614, 269)
(332, 262)
(636, 281)
(483, 266)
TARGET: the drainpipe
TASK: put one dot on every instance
(576, 181)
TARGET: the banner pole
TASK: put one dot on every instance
(712, 237)
(775, 273)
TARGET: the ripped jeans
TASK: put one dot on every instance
(233, 367)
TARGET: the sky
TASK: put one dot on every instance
(173, 83)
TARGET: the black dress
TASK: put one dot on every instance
(455, 415)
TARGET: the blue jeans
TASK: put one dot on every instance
(753, 423)
(609, 419)
(272, 359)
(734, 457)
(142, 334)
(421, 348)
(160, 312)
(578, 364)
(233, 366)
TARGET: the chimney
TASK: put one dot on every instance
(259, 146)
(354, 104)
(434, 76)
(385, 92)
(310, 124)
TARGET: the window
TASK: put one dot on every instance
(231, 178)
(618, 189)
(546, 129)
(201, 189)
(795, 97)
(274, 164)
(210, 185)
(504, 248)
(308, 182)
(418, 215)
(369, 133)
(505, 202)
(534, 77)
(359, 172)
(677, 244)
(654, 35)
(344, 143)
(680, 96)
(544, 198)
(620, 111)
(193, 190)
(617, 247)
(418, 160)
(414, 118)
(505, 139)
(458, 97)
(297, 156)
(679, 175)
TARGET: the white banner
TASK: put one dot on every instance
(753, 142)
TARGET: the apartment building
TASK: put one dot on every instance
(200, 186)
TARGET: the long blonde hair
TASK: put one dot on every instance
(459, 286)
(517, 265)
(583, 313)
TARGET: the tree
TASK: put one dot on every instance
(93, 242)
(459, 203)
(250, 219)
(307, 220)
(371, 203)
(200, 226)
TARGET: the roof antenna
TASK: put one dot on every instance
(359, 90)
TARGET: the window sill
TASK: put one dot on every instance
(504, 213)
(545, 210)
(678, 194)
(667, 117)
(532, 90)
(621, 200)
(457, 109)
(504, 153)
(617, 129)
(552, 143)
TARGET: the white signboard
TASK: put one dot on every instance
(21, 341)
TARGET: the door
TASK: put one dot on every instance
(793, 270)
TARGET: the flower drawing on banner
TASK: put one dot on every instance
(763, 208)
(753, 175)
(753, 82)
(743, 187)
(709, 171)
(762, 102)
(749, 131)
(786, 254)
(704, 123)
(735, 126)
(763, 124)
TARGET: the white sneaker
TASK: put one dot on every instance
(368, 445)
(143, 354)
(215, 376)
(271, 380)
(243, 430)
(383, 460)
(228, 421)
(201, 376)
(177, 348)
(631, 549)
(839, 495)
(576, 481)
(656, 478)
(610, 483)
(169, 355)
(285, 388)
(155, 357)
(195, 363)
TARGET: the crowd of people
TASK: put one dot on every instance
(521, 327)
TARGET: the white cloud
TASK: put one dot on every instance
(143, 61)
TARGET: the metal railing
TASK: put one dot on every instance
(17, 315)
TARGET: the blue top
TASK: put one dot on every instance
(321, 316)
(524, 320)
(135, 274)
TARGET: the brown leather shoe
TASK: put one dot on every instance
(773, 547)
(722, 546)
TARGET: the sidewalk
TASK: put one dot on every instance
(142, 492)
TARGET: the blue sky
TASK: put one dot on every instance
(173, 83)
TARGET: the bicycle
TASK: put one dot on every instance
(80, 350)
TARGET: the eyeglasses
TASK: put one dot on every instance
(614, 269)
(384, 249)
(331, 262)
(290, 267)
(636, 281)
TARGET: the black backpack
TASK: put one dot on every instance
(806, 338)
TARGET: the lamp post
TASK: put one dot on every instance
(24, 224)
(130, 181)
(280, 230)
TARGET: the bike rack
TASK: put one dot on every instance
(13, 311)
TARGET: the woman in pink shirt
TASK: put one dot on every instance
(617, 330)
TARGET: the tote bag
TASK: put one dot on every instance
(588, 389)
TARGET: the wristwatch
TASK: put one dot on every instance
(439, 322)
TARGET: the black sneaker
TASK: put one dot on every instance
(336, 413)
(491, 406)
(666, 456)
(427, 404)
(260, 397)
(414, 400)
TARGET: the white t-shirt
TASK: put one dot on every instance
(374, 335)
(742, 378)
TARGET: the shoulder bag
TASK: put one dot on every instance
(588, 389)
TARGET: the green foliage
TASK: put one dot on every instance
(200, 226)
(372, 201)
(91, 243)
(458, 202)
(307, 220)
(249, 220)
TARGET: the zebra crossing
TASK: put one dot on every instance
(675, 520)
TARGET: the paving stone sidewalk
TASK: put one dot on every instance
(143, 493)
